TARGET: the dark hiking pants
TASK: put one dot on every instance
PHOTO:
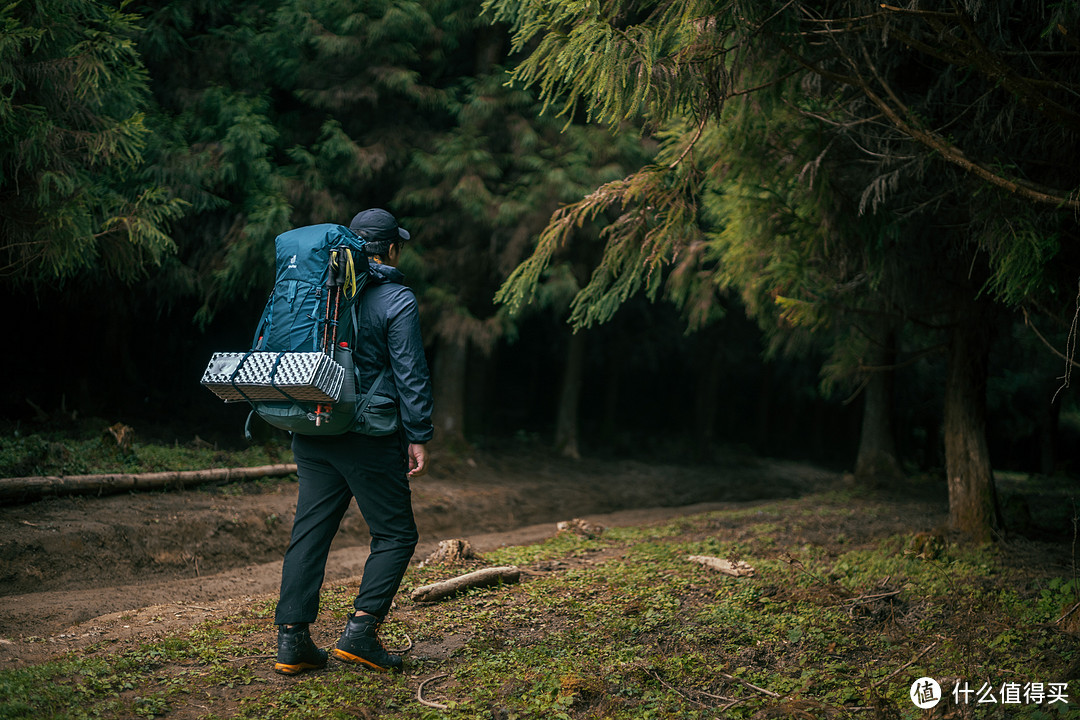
(334, 470)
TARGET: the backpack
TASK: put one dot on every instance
(299, 374)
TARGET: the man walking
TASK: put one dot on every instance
(375, 471)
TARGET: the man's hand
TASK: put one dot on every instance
(417, 459)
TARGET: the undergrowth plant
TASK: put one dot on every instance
(622, 625)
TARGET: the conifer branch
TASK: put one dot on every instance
(987, 62)
(693, 141)
(948, 151)
(956, 156)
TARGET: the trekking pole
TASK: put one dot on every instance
(329, 336)
(337, 310)
(326, 314)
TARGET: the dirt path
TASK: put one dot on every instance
(74, 570)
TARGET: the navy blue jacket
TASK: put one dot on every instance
(389, 334)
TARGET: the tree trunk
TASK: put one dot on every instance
(707, 398)
(566, 417)
(973, 506)
(1049, 420)
(763, 415)
(876, 462)
(451, 363)
(479, 383)
(116, 330)
(612, 389)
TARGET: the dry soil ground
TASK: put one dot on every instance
(77, 570)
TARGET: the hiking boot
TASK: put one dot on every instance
(296, 652)
(359, 644)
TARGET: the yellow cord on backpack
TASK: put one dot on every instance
(350, 275)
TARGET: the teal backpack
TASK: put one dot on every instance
(299, 374)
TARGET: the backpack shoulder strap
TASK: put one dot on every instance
(362, 406)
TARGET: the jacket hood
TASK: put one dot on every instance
(385, 273)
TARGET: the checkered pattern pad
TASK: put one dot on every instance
(306, 377)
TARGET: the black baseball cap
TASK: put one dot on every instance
(377, 224)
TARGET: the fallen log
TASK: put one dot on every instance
(479, 578)
(27, 489)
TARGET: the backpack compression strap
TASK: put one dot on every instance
(371, 391)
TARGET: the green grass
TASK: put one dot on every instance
(623, 626)
(24, 455)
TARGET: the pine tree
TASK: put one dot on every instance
(885, 82)
(479, 188)
(76, 196)
(288, 113)
(220, 146)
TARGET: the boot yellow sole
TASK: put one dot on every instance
(356, 659)
(285, 669)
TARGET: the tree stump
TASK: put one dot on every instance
(451, 552)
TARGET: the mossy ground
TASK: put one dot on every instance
(840, 617)
(88, 447)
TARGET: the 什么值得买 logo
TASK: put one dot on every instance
(925, 693)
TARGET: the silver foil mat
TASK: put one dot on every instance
(301, 376)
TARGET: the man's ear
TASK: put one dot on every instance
(393, 252)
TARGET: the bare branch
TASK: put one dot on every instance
(1047, 343)
(910, 361)
(912, 11)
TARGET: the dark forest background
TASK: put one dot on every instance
(709, 225)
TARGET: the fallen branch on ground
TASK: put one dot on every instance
(862, 599)
(1067, 614)
(480, 578)
(905, 666)
(403, 650)
(686, 694)
(744, 683)
(420, 693)
(738, 568)
(26, 489)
